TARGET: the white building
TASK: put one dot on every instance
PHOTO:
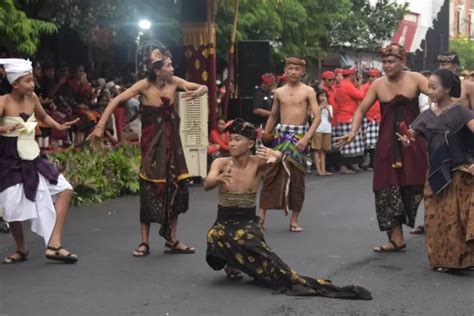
(412, 29)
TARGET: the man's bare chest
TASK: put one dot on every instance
(407, 89)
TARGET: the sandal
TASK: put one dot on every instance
(420, 230)
(396, 248)
(142, 252)
(67, 258)
(173, 249)
(296, 228)
(233, 273)
(22, 256)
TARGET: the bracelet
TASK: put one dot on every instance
(100, 127)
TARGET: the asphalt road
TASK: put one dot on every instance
(340, 230)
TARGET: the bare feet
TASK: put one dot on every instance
(295, 228)
(233, 273)
(345, 170)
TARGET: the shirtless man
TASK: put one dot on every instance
(291, 104)
(163, 173)
(28, 182)
(399, 174)
(450, 61)
(235, 242)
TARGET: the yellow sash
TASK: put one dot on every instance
(27, 146)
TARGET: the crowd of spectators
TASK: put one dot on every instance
(69, 92)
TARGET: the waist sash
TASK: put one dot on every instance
(235, 213)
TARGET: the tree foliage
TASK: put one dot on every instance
(20, 31)
(310, 27)
(367, 26)
(116, 20)
(464, 47)
(293, 26)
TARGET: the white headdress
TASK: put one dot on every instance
(16, 68)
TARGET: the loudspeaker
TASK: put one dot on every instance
(253, 61)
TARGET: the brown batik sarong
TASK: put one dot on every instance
(449, 223)
(163, 173)
(283, 187)
(397, 205)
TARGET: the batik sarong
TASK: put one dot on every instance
(397, 205)
(236, 239)
(283, 184)
(449, 223)
(163, 172)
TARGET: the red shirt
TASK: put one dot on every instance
(348, 97)
(79, 88)
(223, 142)
(374, 112)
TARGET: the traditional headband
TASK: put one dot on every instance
(268, 79)
(448, 58)
(328, 75)
(241, 127)
(373, 72)
(294, 60)
(394, 50)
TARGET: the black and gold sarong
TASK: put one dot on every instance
(236, 239)
(163, 171)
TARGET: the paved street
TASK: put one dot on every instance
(340, 230)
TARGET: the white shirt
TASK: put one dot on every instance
(424, 102)
(325, 126)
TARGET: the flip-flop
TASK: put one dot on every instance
(68, 258)
(22, 256)
(173, 249)
(141, 253)
(395, 248)
(420, 230)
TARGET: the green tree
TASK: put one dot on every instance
(19, 31)
(117, 16)
(367, 26)
(292, 26)
(465, 50)
(310, 27)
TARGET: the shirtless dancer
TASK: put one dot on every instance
(235, 242)
(291, 104)
(399, 173)
(163, 172)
